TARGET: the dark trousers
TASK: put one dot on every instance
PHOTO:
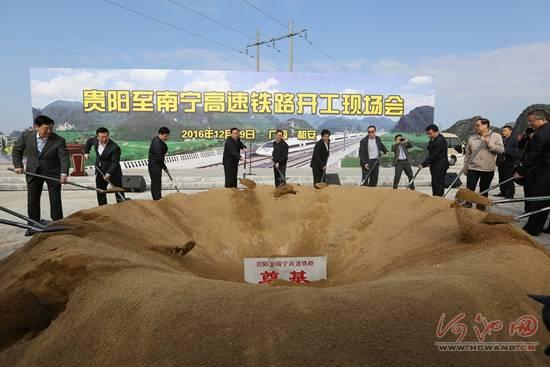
(505, 172)
(401, 166)
(540, 187)
(34, 192)
(280, 180)
(230, 170)
(438, 179)
(100, 183)
(372, 173)
(317, 175)
(155, 173)
(528, 184)
(484, 179)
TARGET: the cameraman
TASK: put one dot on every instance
(401, 160)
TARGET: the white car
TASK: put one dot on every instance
(455, 149)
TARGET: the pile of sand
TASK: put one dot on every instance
(116, 290)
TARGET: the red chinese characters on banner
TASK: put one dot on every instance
(268, 276)
(298, 277)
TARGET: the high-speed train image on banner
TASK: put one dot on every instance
(297, 145)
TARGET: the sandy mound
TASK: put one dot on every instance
(116, 290)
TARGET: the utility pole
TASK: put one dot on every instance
(291, 47)
(272, 41)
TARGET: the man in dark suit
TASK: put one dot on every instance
(157, 152)
(536, 168)
(231, 157)
(507, 162)
(437, 159)
(524, 144)
(46, 155)
(319, 159)
(279, 156)
(401, 160)
(370, 150)
(107, 154)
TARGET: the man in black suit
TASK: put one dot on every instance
(157, 152)
(231, 157)
(319, 159)
(507, 162)
(47, 155)
(401, 160)
(279, 156)
(370, 150)
(107, 154)
(437, 159)
(536, 168)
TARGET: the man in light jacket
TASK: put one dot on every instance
(483, 166)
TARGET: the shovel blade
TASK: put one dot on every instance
(248, 183)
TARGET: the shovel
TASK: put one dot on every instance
(414, 177)
(171, 179)
(283, 189)
(468, 195)
(118, 193)
(492, 218)
(249, 184)
(465, 195)
(282, 177)
(35, 226)
(474, 154)
(370, 171)
(322, 184)
(108, 191)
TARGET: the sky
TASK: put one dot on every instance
(489, 58)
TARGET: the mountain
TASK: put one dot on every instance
(521, 121)
(465, 128)
(73, 113)
(355, 124)
(382, 123)
(416, 120)
(340, 124)
(292, 124)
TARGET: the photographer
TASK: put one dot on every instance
(401, 160)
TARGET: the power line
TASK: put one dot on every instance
(178, 28)
(210, 19)
(233, 29)
(265, 13)
(305, 38)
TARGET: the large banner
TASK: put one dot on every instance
(200, 107)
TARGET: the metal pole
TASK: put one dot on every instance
(290, 26)
(258, 49)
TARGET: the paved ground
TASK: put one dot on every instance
(11, 238)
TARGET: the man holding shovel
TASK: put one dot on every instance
(319, 159)
(279, 156)
(436, 159)
(108, 160)
(481, 168)
(370, 150)
(536, 168)
(232, 157)
(47, 155)
(157, 152)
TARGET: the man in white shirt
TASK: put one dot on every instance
(370, 150)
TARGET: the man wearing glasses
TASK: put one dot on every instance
(370, 149)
